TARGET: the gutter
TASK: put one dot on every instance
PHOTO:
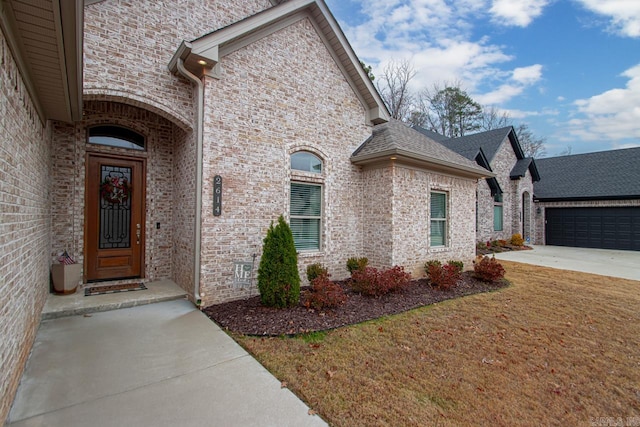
(197, 299)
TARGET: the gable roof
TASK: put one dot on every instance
(489, 141)
(396, 141)
(604, 175)
(45, 38)
(521, 167)
(202, 55)
(483, 146)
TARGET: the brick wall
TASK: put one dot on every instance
(278, 95)
(25, 224)
(411, 219)
(502, 164)
(377, 218)
(127, 46)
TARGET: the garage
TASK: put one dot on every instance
(594, 227)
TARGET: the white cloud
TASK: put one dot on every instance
(624, 14)
(518, 13)
(611, 115)
(520, 79)
(437, 37)
(528, 75)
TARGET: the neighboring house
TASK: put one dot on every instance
(504, 203)
(589, 200)
(159, 139)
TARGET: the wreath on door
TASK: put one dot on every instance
(115, 189)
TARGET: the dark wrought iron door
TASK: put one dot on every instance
(114, 218)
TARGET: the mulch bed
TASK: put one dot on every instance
(249, 317)
(504, 248)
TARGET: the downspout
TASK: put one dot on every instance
(199, 142)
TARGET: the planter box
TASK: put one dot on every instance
(66, 278)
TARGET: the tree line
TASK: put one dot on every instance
(445, 108)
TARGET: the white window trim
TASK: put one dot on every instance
(445, 219)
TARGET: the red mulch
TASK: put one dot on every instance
(249, 317)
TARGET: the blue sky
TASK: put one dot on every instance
(570, 69)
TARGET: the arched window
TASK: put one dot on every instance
(305, 206)
(306, 162)
(116, 136)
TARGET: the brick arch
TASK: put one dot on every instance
(182, 122)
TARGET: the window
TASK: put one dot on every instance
(497, 212)
(306, 215)
(438, 229)
(116, 136)
(306, 162)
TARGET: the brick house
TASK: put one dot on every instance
(162, 144)
(504, 201)
(589, 200)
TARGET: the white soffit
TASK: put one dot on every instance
(45, 37)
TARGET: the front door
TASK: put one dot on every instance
(115, 194)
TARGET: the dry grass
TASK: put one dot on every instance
(555, 348)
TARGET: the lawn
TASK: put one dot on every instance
(554, 348)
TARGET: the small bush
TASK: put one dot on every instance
(444, 277)
(278, 277)
(517, 240)
(373, 282)
(428, 264)
(355, 264)
(488, 269)
(324, 294)
(502, 243)
(315, 270)
(459, 265)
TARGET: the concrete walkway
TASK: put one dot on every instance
(163, 364)
(605, 262)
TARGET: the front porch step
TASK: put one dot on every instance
(75, 304)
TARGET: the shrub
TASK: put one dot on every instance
(444, 277)
(517, 240)
(488, 269)
(502, 243)
(355, 264)
(315, 270)
(325, 293)
(458, 264)
(278, 277)
(430, 263)
(374, 282)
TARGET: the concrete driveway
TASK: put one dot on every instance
(163, 364)
(605, 262)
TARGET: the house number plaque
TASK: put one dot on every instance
(217, 195)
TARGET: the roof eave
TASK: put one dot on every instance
(403, 156)
(55, 99)
(584, 198)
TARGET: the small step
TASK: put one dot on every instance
(77, 303)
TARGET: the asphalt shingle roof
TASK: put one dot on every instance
(396, 137)
(469, 145)
(611, 174)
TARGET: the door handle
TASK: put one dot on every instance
(138, 231)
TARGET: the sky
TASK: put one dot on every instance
(569, 69)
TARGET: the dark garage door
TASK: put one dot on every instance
(605, 228)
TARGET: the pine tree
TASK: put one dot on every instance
(278, 276)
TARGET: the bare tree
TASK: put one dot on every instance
(531, 145)
(393, 86)
(492, 118)
(566, 151)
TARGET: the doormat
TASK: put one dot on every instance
(112, 289)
